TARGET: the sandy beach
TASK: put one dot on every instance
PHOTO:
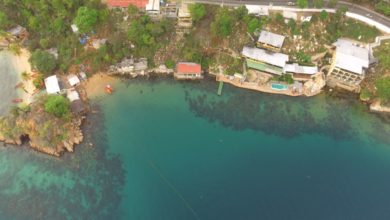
(95, 85)
(11, 68)
(22, 64)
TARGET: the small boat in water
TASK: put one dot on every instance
(17, 100)
(109, 89)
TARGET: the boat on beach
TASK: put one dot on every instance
(17, 100)
(109, 89)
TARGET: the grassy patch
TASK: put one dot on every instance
(359, 31)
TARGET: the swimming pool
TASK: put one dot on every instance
(278, 86)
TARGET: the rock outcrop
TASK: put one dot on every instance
(43, 131)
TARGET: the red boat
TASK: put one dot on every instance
(17, 100)
(109, 89)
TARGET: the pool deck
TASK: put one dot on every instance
(254, 86)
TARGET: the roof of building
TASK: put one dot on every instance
(73, 80)
(187, 67)
(153, 5)
(16, 30)
(276, 59)
(72, 95)
(351, 57)
(269, 38)
(77, 106)
(126, 3)
(296, 68)
(52, 85)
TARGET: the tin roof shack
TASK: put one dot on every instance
(18, 32)
(73, 80)
(187, 70)
(270, 41)
(52, 85)
(300, 73)
(265, 61)
(130, 67)
(97, 43)
(350, 62)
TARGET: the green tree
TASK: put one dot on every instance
(382, 6)
(222, 25)
(383, 88)
(57, 105)
(241, 12)
(132, 10)
(43, 61)
(302, 3)
(318, 3)
(86, 19)
(324, 15)
(332, 3)
(170, 64)
(197, 11)
(4, 22)
(253, 25)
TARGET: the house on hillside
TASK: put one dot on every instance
(150, 6)
(18, 32)
(349, 64)
(130, 66)
(187, 70)
(52, 85)
(270, 41)
(300, 73)
(265, 61)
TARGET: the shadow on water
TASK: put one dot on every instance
(283, 116)
(86, 184)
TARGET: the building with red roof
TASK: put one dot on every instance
(187, 70)
(141, 4)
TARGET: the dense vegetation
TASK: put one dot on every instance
(198, 11)
(43, 61)
(57, 105)
(383, 88)
(383, 7)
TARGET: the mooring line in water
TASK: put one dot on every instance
(162, 176)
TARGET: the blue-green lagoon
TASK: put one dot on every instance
(175, 150)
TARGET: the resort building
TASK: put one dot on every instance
(350, 62)
(265, 61)
(52, 85)
(300, 73)
(73, 80)
(150, 6)
(187, 70)
(270, 41)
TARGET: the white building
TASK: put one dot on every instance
(275, 59)
(351, 57)
(296, 68)
(52, 85)
(73, 80)
(270, 40)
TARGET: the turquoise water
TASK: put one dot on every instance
(279, 86)
(168, 150)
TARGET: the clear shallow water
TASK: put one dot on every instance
(167, 150)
